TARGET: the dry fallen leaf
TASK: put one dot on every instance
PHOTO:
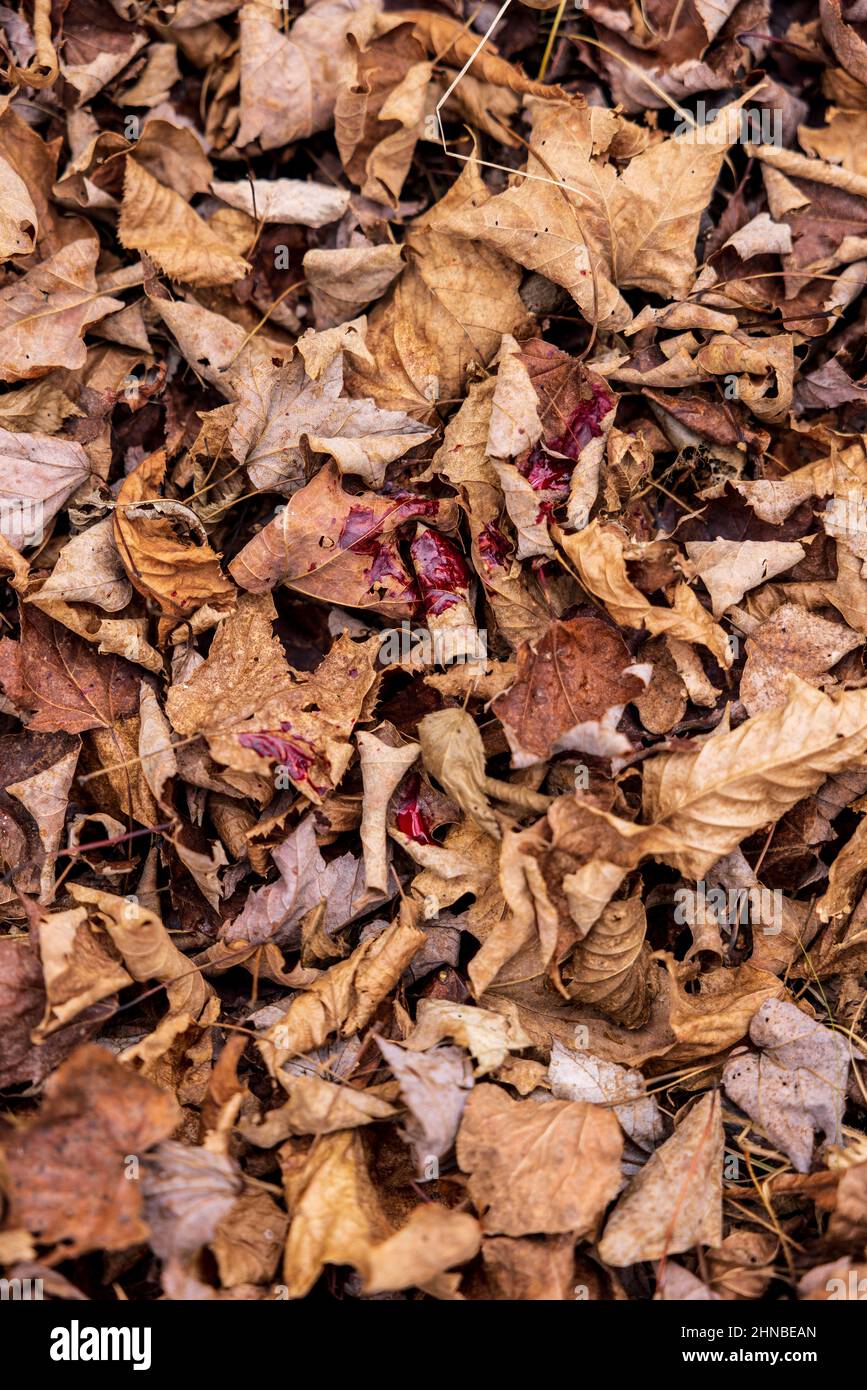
(675, 1201)
(575, 1170)
(433, 460)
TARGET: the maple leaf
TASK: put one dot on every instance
(61, 682)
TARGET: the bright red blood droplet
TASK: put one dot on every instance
(441, 569)
(410, 818)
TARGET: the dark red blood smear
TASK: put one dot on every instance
(269, 744)
(359, 531)
(585, 422)
(547, 473)
(441, 569)
(410, 818)
(494, 547)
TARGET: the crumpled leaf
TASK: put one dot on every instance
(66, 1176)
(157, 220)
(344, 997)
(489, 1037)
(177, 575)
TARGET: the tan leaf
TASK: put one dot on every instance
(285, 200)
(433, 1240)
(382, 768)
(18, 220)
(342, 281)
(675, 1201)
(489, 1037)
(289, 81)
(79, 968)
(597, 553)
(155, 219)
(449, 309)
(45, 313)
(147, 949)
(279, 410)
(316, 1106)
(344, 998)
(573, 1175)
(601, 230)
(729, 568)
(434, 1086)
(796, 1085)
(254, 709)
(89, 570)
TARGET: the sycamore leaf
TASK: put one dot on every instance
(601, 230)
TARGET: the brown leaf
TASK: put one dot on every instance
(333, 545)
(61, 682)
(67, 1183)
(575, 1168)
(45, 313)
(155, 219)
(675, 1201)
(570, 690)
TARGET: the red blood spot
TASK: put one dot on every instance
(410, 818)
(441, 569)
(547, 473)
(359, 531)
(585, 422)
(268, 743)
(494, 547)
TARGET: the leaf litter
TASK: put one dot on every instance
(434, 714)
